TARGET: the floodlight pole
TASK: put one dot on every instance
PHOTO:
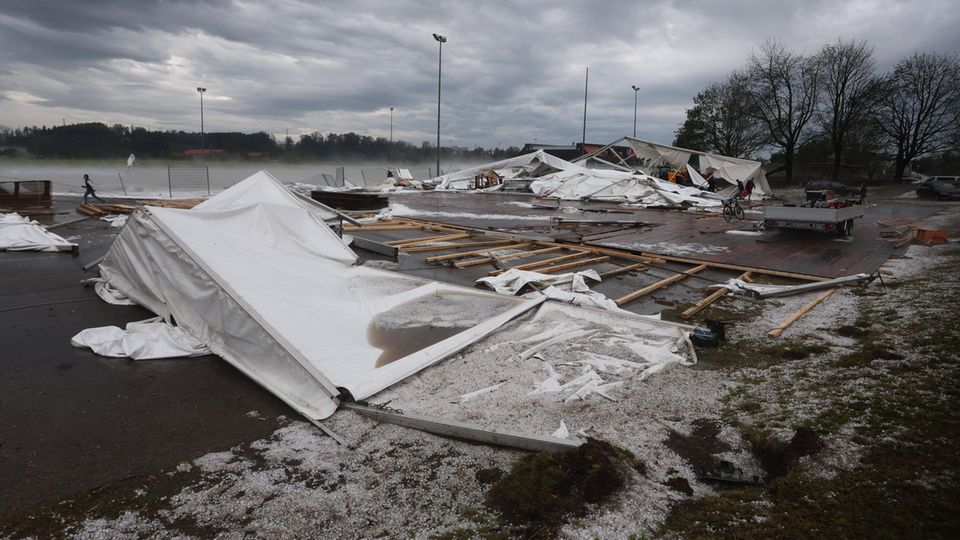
(635, 90)
(390, 148)
(203, 144)
(441, 40)
(586, 82)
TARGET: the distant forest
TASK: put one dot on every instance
(99, 141)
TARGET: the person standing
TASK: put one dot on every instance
(863, 193)
(90, 192)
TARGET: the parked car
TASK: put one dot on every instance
(816, 187)
(940, 190)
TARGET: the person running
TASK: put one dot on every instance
(90, 192)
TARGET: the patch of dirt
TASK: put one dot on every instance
(680, 484)
(488, 476)
(700, 447)
(778, 458)
(542, 491)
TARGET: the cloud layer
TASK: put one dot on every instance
(513, 72)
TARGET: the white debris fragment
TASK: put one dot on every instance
(480, 392)
(562, 432)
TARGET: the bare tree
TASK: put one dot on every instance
(849, 91)
(720, 120)
(920, 110)
(783, 87)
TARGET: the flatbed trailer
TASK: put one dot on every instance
(838, 220)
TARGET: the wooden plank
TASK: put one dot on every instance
(777, 330)
(545, 262)
(659, 285)
(638, 267)
(716, 295)
(407, 242)
(460, 255)
(490, 259)
(470, 432)
(425, 249)
(575, 264)
(375, 228)
(741, 268)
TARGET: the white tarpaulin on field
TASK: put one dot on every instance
(18, 233)
(609, 185)
(256, 275)
(142, 340)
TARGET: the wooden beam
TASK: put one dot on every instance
(638, 267)
(545, 262)
(777, 330)
(470, 432)
(807, 277)
(406, 242)
(575, 264)
(375, 228)
(659, 285)
(425, 249)
(451, 256)
(491, 258)
(716, 295)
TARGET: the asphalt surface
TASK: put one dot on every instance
(73, 421)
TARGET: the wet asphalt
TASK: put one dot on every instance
(71, 421)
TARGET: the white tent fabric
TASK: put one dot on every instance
(733, 169)
(675, 157)
(607, 185)
(569, 288)
(263, 187)
(142, 340)
(270, 288)
(538, 162)
(18, 233)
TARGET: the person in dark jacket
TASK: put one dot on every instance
(863, 193)
(90, 192)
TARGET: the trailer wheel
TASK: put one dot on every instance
(841, 228)
(849, 227)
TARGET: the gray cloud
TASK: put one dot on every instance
(512, 71)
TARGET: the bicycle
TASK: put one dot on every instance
(732, 208)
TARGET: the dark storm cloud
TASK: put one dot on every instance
(512, 71)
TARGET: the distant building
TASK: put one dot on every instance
(257, 155)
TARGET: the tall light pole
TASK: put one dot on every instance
(391, 126)
(586, 82)
(441, 40)
(203, 144)
(635, 90)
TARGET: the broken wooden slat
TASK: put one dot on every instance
(575, 264)
(716, 295)
(638, 267)
(659, 285)
(461, 430)
(374, 246)
(424, 249)
(460, 255)
(490, 259)
(375, 228)
(538, 264)
(776, 331)
(407, 242)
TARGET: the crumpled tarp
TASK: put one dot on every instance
(569, 288)
(142, 340)
(18, 233)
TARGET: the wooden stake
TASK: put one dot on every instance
(585, 262)
(490, 259)
(441, 258)
(776, 331)
(406, 242)
(425, 249)
(659, 285)
(538, 264)
(716, 295)
(639, 267)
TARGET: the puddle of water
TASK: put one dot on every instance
(399, 342)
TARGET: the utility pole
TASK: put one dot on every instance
(586, 82)
(635, 90)
(441, 40)
(203, 142)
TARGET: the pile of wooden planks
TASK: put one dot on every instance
(183, 204)
(104, 209)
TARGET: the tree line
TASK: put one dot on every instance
(99, 141)
(833, 106)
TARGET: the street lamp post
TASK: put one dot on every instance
(635, 90)
(441, 40)
(203, 144)
(391, 126)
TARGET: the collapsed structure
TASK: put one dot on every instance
(256, 275)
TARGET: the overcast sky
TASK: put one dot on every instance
(513, 72)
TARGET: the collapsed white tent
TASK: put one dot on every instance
(18, 233)
(256, 275)
(534, 164)
(728, 168)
